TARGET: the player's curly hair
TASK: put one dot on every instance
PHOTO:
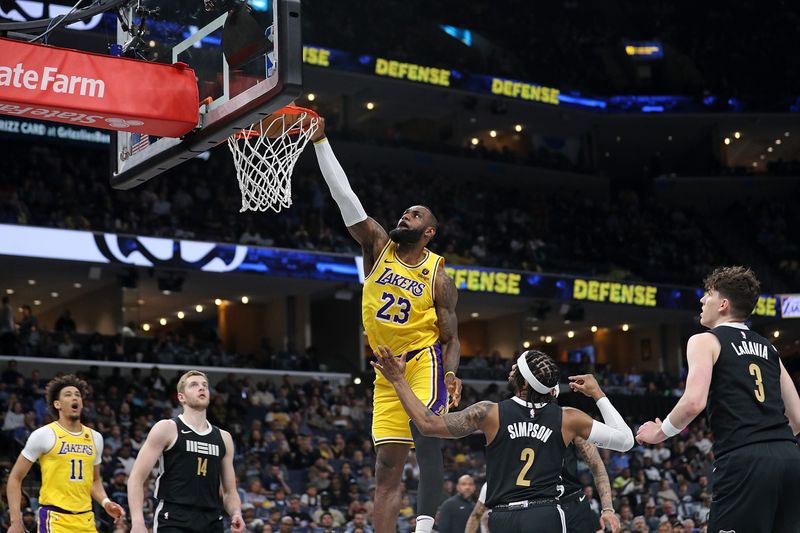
(53, 389)
(545, 370)
(738, 285)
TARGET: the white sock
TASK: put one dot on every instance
(424, 524)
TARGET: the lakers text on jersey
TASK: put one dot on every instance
(68, 470)
(397, 305)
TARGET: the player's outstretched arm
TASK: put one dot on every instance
(700, 352)
(160, 437)
(369, 234)
(14, 493)
(791, 400)
(482, 416)
(588, 452)
(230, 496)
(446, 300)
(612, 433)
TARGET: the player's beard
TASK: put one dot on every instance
(406, 235)
(197, 404)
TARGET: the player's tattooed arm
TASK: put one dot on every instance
(468, 421)
(591, 457)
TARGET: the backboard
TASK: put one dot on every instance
(263, 78)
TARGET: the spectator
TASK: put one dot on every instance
(7, 325)
(301, 518)
(359, 521)
(66, 348)
(325, 507)
(65, 323)
(251, 521)
(666, 493)
(455, 511)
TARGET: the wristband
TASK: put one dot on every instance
(106, 502)
(668, 429)
(607, 510)
(449, 372)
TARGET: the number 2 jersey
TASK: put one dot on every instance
(744, 401)
(189, 471)
(397, 305)
(524, 460)
(67, 460)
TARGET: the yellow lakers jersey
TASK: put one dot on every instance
(397, 306)
(68, 470)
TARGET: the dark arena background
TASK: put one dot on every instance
(590, 163)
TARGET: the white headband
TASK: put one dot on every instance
(538, 386)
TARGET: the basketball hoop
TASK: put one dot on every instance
(265, 154)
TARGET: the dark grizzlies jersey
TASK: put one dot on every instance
(569, 472)
(744, 400)
(189, 471)
(524, 460)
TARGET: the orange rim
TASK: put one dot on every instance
(286, 110)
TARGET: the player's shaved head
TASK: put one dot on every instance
(433, 220)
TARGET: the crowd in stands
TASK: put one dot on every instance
(500, 226)
(22, 334)
(305, 462)
(580, 46)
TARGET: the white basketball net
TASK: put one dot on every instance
(264, 165)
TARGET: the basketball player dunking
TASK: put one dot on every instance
(194, 459)
(749, 395)
(69, 455)
(526, 437)
(408, 303)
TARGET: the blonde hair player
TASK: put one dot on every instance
(195, 460)
(69, 454)
(408, 303)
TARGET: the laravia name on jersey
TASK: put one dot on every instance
(751, 348)
(529, 429)
(50, 79)
(66, 447)
(401, 282)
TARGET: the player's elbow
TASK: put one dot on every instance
(695, 406)
(628, 443)
(428, 427)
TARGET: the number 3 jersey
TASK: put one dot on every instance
(67, 460)
(189, 471)
(397, 305)
(524, 460)
(744, 400)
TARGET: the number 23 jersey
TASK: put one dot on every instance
(397, 305)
